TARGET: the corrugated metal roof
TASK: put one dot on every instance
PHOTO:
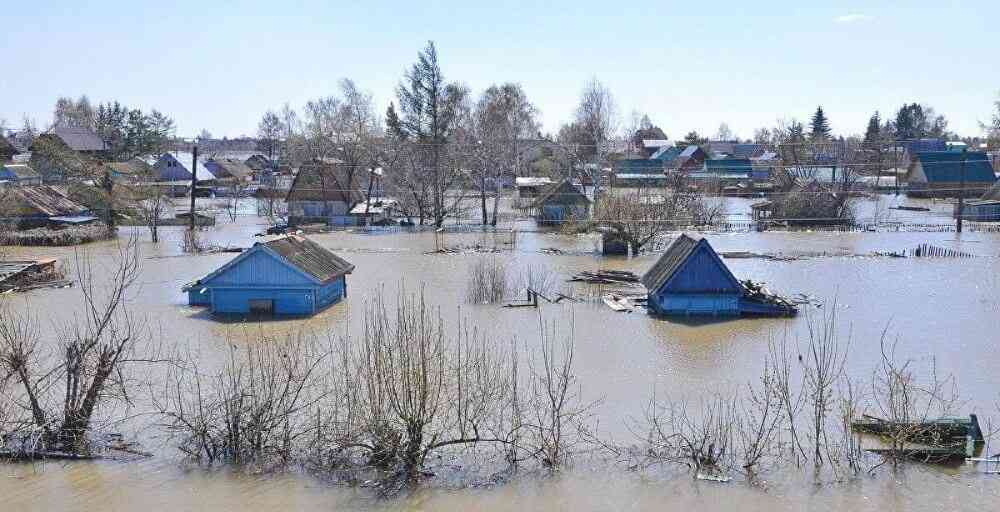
(80, 139)
(667, 265)
(946, 167)
(563, 192)
(729, 165)
(310, 257)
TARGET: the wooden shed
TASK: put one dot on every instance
(561, 202)
(291, 275)
(690, 279)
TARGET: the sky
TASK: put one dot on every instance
(219, 65)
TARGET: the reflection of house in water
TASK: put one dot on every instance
(287, 276)
(690, 279)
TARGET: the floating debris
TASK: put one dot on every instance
(910, 208)
(606, 277)
(617, 302)
(17, 276)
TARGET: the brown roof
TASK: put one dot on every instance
(234, 168)
(39, 200)
(310, 257)
(134, 167)
(324, 181)
(79, 139)
(562, 192)
(667, 265)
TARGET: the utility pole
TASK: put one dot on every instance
(194, 182)
(961, 193)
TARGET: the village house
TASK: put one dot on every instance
(634, 172)
(131, 171)
(56, 161)
(648, 147)
(984, 209)
(528, 187)
(82, 140)
(376, 212)
(19, 174)
(561, 202)
(943, 174)
(690, 279)
(291, 275)
(176, 167)
(229, 169)
(690, 159)
(322, 192)
(41, 206)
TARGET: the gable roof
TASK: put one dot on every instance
(183, 171)
(682, 248)
(79, 138)
(946, 167)
(229, 168)
(258, 162)
(562, 192)
(39, 200)
(135, 167)
(307, 257)
(690, 151)
(666, 153)
(323, 181)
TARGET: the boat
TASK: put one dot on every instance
(944, 437)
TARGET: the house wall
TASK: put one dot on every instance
(702, 273)
(552, 213)
(696, 304)
(169, 168)
(196, 298)
(286, 301)
(331, 293)
(331, 212)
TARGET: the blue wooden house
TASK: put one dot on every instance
(690, 279)
(943, 174)
(287, 276)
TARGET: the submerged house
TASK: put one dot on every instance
(943, 174)
(323, 192)
(291, 275)
(690, 279)
(561, 202)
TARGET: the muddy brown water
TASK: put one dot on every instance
(940, 310)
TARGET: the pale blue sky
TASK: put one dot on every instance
(220, 65)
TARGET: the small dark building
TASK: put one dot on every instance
(561, 202)
(287, 276)
(690, 279)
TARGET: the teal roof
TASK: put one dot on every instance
(666, 153)
(729, 165)
(638, 166)
(946, 167)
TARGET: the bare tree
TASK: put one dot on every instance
(152, 205)
(269, 133)
(91, 364)
(597, 120)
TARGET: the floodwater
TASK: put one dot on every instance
(941, 311)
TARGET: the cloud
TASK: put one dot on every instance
(852, 18)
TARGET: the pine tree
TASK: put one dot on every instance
(820, 130)
(874, 130)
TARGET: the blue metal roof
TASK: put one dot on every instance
(748, 150)
(946, 167)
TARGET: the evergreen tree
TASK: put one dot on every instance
(874, 130)
(820, 129)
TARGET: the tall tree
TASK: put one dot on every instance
(597, 120)
(873, 132)
(916, 121)
(269, 132)
(724, 133)
(993, 128)
(503, 118)
(645, 129)
(426, 122)
(819, 126)
(70, 113)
